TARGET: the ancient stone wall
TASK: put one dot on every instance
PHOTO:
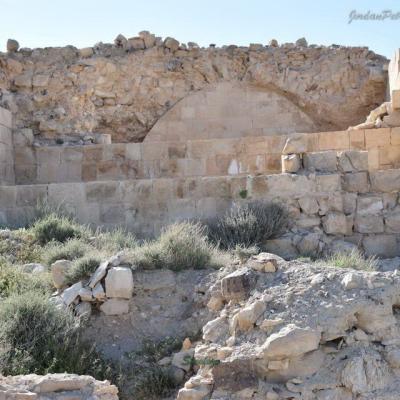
(124, 89)
(191, 158)
(6, 148)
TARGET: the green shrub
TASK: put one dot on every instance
(57, 228)
(71, 250)
(114, 241)
(82, 269)
(353, 259)
(37, 337)
(180, 246)
(249, 224)
(13, 280)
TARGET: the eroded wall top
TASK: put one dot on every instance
(123, 89)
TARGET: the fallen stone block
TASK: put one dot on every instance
(58, 272)
(237, 285)
(119, 283)
(70, 294)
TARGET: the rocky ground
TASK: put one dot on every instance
(272, 329)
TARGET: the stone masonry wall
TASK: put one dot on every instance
(6, 149)
(193, 158)
(356, 206)
(125, 88)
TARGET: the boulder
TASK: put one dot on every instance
(119, 283)
(247, 316)
(58, 272)
(291, 341)
(215, 329)
(302, 42)
(115, 307)
(273, 43)
(238, 284)
(183, 359)
(34, 268)
(264, 262)
(353, 280)
(171, 43)
(12, 45)
(70, 294)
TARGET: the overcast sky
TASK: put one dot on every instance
(41, 23)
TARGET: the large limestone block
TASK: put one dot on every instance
(369, 223)
(119, 283)
(353, 161)
(396, 99)
(369, 205)
(392, 221)
(291, 341)
(309, 205)
(115, 307)
(386, 180)
(335, 223)
(356, 182)
(58, 272)
(71, 294)
(323, 161)
(381, 245)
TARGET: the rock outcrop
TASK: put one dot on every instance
(56, 387)
(124, 88)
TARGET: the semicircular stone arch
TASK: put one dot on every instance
(231, 110)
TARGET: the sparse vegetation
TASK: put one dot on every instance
(38, 337)
(114, 241)
(82, 269)
(70, 250)
(53, 227)
(249, 224)
(353, 259)
(180, 246)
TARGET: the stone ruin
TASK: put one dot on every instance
(144, 132)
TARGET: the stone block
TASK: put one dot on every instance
(356, 182)
(328, 183)
(385, 181)
(389, 156)
(396, 99)
(335, 223)
(373, 159)
(115, 307)
(23, 137)
(307, 222)
(70, 294)
(395, 136)
(357, 139)
(31, 195)
(339, 140)
(5, 117)
(59, 271)
(353, 161)
(323, 161)
(331, 202)
(309, 205)
(282, 246)
(377, 137)
(369, 205)
(289, 185)
(384, 246)
(119, 283)
(291, 163)
(369, 224)
(392, 221)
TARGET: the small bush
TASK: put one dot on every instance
(180, 246)
(70, 250)
(55, 228)
(114, 241)
(82, 269)
(250, 224)
(153, 351)
(353, 259)
(13, 280)
(37, 337)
